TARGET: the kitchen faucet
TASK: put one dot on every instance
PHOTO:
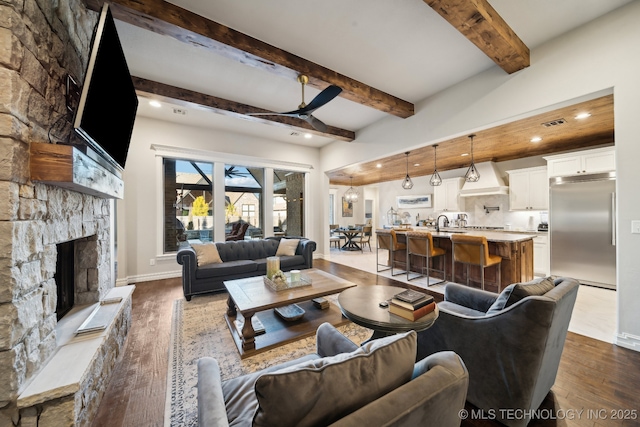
(444, 224)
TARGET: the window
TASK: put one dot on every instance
(243, 198)
(188, 202)
(189, 210)
(249, 213)
(288, 202)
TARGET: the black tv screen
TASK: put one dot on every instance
(108, 102)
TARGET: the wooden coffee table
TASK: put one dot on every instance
(361, 306)
(250, 296)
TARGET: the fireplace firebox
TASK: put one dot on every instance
(65, 278)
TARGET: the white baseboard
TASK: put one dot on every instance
(148, 277)
(632, 342)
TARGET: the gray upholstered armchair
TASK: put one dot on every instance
(511, 343)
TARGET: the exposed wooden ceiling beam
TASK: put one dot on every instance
(168, 19)
(189, 98)
(481, 24)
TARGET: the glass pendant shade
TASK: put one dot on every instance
(472, 174)
(351, 194)
(407, 184)
(435, 178)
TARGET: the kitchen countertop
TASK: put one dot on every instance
(491, 235)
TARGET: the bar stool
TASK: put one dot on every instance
(389, 240)
(420, 243)
(473, 250)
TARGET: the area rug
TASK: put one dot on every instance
(198, 329)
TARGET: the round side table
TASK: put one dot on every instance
(360, 304)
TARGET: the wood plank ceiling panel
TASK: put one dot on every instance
(506, 142)
(168, 19)
(478, 21)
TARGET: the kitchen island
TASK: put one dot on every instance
(515, 249)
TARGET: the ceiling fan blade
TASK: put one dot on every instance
(304, 113)
(317, 124)
(273, 114)
(322, 98)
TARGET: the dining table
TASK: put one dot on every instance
(350, 235)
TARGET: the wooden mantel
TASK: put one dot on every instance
(66, 166)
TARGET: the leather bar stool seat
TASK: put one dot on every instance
(420, 243)
(473, 250)
(388, 239)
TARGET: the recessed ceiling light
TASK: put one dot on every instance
(416, 164)
(307, 135)
(379, 165)
(536, 139)
(155, 104)
(583, 116)
(464, 154)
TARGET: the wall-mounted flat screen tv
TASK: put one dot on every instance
(108, 102)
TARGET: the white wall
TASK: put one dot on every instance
(593, 60)
(138, 219)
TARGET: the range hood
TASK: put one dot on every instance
(489, 184)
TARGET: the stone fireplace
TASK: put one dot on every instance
(40, 42)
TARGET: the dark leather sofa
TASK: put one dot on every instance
(243, 258)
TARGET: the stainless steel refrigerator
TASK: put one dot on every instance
(582, 226)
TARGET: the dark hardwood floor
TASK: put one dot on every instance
(596, 381)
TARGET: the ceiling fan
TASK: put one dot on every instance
(305, 111)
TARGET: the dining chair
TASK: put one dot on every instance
(365, 237)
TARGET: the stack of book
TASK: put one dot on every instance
(321, 303)
(411, 305)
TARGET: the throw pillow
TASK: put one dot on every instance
(517, 291)
(287, 247)
(322, 391)
(207, 253)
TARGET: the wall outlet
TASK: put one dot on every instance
(635, 227)
(152, 261)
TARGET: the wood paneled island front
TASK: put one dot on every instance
(515, 249)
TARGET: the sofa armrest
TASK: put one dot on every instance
(465, 296)
(329, 341)
(187, 258)
(306, 248)
(211, 407)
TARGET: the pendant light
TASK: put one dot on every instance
(351, 194)
(407, 184)
(435, 178)
(472, 174)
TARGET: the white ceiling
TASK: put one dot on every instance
(401, 47)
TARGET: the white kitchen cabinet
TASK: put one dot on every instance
(528, 189)
(582, 162)
(541, 259)
(446, 197)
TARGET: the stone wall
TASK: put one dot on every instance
(40, 42)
